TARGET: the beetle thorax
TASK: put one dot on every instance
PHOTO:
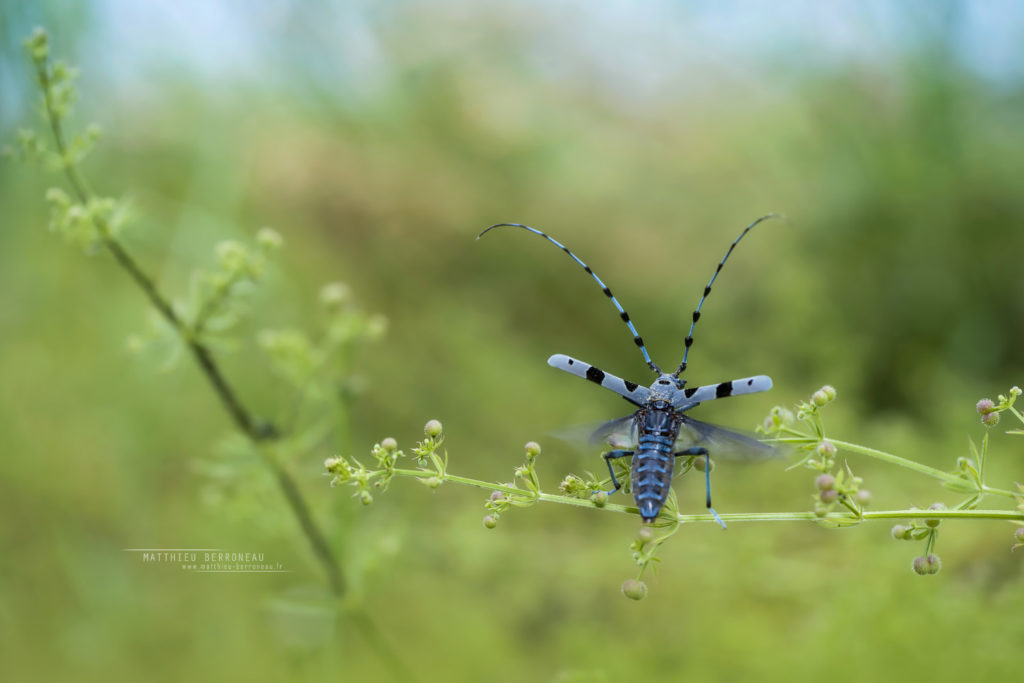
(665, 387)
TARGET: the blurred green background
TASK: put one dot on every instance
(379, 138)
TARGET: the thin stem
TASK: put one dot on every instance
(899, 461)
(258, 431)
(730, 517)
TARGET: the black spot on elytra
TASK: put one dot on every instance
(595, 375)
(570, 361)
(750, 382)
(630, 387)
(723, 389)
(689, 391)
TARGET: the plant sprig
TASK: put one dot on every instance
(839, 498)
(201, 326)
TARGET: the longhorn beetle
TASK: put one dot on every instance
(660, 416)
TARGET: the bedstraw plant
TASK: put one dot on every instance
(314, 368)
(838, 497)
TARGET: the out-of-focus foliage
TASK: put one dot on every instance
(379, 141)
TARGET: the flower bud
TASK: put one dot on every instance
(863, 496)
(365, 498)
(934, 564)
(826, 448)
(646, 534)
(900, 532)
(828, 496)
(389, 444)
(700, 463)
(634, 589)
(432, 429)
(934, 522)
(990, 419)
(497, 495)
(825, 482)
(335, 294)
(985, 406)
(920, 566)
(819, 398)
(490, 521)
(599, 498)
(532, 449)
(432, 482)
(268, 239)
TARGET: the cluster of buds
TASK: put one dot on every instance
(990, 410)
(927, 531)
(500, 501)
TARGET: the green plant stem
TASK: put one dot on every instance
(729, 517)
(257, 431)
(900, 462)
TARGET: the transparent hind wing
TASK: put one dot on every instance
(723, 443)
(617, 433)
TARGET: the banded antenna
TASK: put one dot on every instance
(707, 290)
(607, 292)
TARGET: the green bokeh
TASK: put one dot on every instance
(896, 277)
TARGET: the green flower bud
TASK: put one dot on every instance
(376, 326)
(490, 521)
(825, 482)
(700, 463)
(634, 589)
(497, 495)
(532, 449)
(900, 532)
(268, 239)
(826, 449)
(934, 522)
(389, 444)
(432, 482)
(599, 498)
(819, 398)
(232, 255)
(38, 45)
(990, 419)
(646, 534)
(432, 429)
(920, 566)
(335, 294)
(829, 391)
(934, 564)
(365, 498)
(863, 496)
(820, 510)
(985, 406)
